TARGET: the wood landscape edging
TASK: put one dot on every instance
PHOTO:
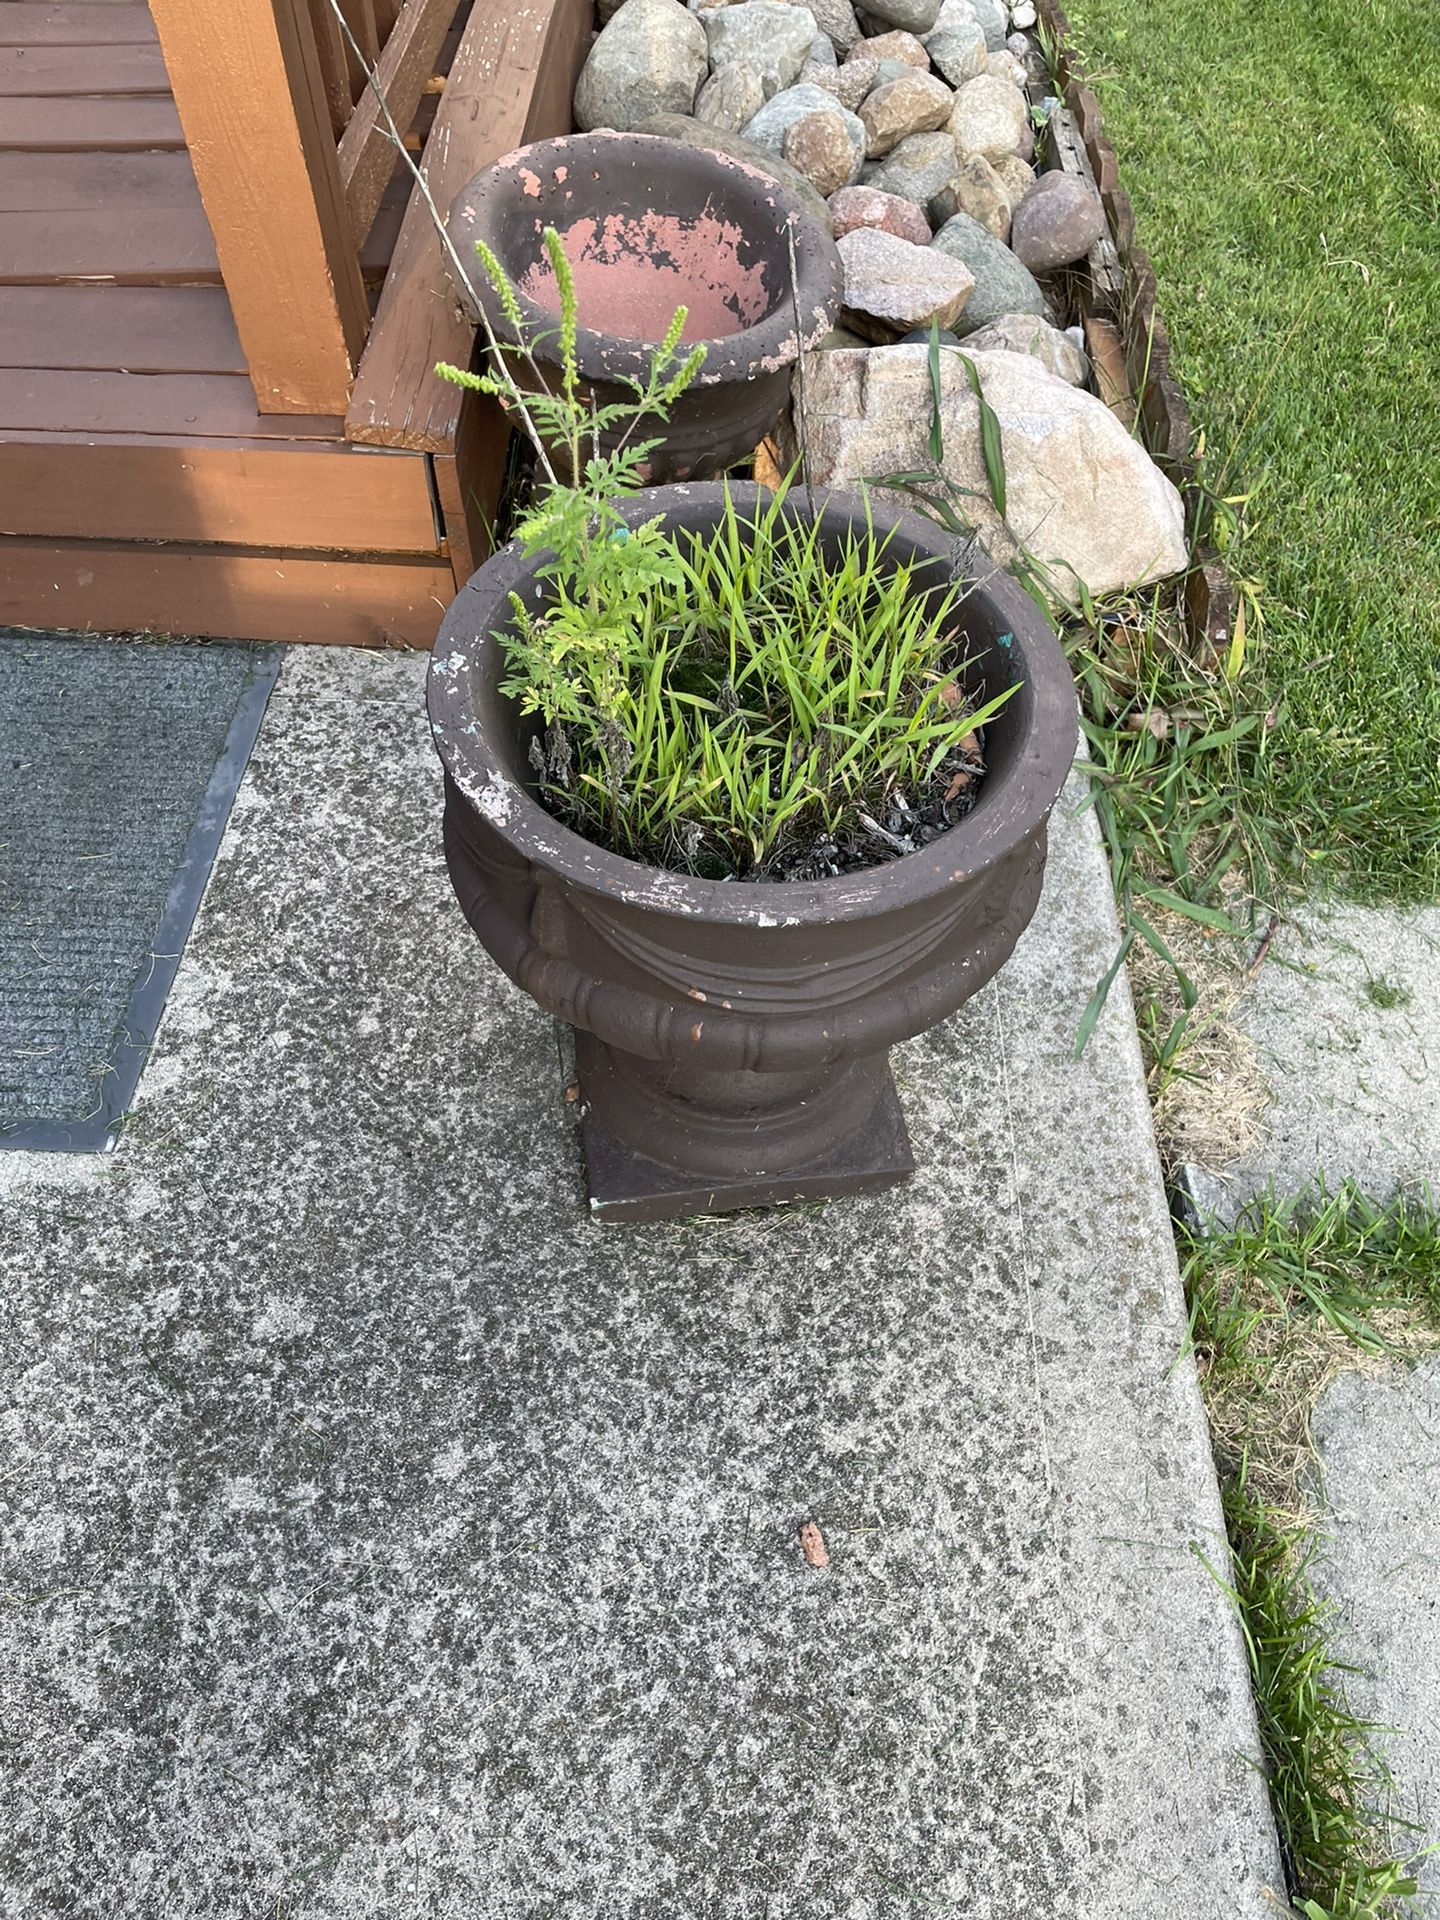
(1133, 310)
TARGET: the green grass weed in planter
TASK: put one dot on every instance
(744, 705)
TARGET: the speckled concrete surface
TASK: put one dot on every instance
(1346, 1021)
(1378, 1440)
(383, 1538)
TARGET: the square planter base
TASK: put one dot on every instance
(624, 1186)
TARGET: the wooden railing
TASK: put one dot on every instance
(292, 151)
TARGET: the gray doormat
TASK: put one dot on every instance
(118, 764)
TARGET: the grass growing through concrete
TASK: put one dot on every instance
(1285, 168)
(1279, 1306)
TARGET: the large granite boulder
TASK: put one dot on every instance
(650, 59)
(1083, 498)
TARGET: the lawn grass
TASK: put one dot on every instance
(1285, 167)
(1280, 1304)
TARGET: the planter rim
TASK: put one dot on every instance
(767, 347)
(1010, 803)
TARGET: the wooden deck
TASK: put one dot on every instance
(140, 485)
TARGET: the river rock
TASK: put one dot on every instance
(915, 16)
(990, 117)
(694, 133)
(649, 59)
(1082, 495)
(822, 54)
(819, 146)
(894, 45)
(856, 207)
(1002, 284)
(974, 188)
(849, 82)
(898, 284)
(771, 36)
(956, 45)
(1024, 15)
(1058, 221)
(1027, 333)
(918, 167)
(774, 120)
(731, 96)
(917, 103)
(836, 20)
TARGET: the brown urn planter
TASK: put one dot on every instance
(732, 1035)
(650, 225)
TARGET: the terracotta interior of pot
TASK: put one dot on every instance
(633, 269)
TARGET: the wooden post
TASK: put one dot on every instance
(248, 86)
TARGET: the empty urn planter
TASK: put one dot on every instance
(732, 1035)
(650, 225)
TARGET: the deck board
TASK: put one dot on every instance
(215, 404)
(33, 72)
(26, 23)
(76, 182)
(91, 123)
(120, 329)
(247, 493)
(112, 587)
(138, 246)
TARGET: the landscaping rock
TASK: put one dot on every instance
(650, 59)
(916, 16)
(1002, 284)
(1024, 15)
(771, 36)
(1028, 333)
(856, 207)
(888, 70)
(822, 54)
(977, 189)
(849, 82)
(840, 339)
(819, 146)
(898, 284)
(731, 96)
(774, 120)
(1017, 177)
(990, 118)
(695, 133)
(956, 45)
(916, 170)
(1004, 66)
(1058, 221)
(836, 20)
(1029, 56)
(894, 45)
(918, 103)
(1082, 494)
(993, 23)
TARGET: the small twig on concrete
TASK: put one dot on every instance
(1267, 941)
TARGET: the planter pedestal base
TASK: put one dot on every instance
(625, 1186)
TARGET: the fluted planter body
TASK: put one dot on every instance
(650, 225)
(732, 1035)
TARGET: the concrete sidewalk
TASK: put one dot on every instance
(383, 1538)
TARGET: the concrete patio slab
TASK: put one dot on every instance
(1346, 1020)
(1378, 1441)
(384, 1538)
